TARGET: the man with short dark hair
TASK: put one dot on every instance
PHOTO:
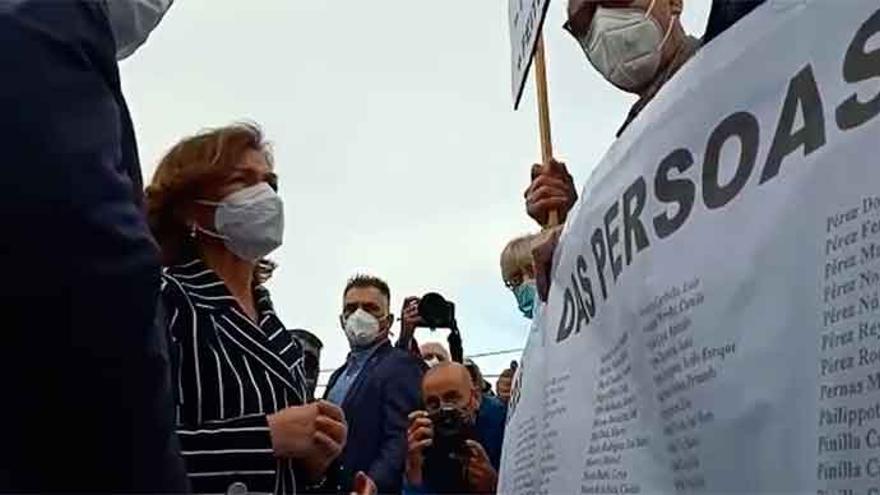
(377, 387)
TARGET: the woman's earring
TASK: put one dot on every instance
(192, 231)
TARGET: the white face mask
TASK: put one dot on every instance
(250, 221)
(132, 21)
(625, 45)
(362, 329)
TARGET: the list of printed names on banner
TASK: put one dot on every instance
(678, 366)
(537, 460)
(849, 351)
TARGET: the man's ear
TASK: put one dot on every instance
(475, 397)
(387, 322)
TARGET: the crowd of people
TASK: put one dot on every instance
(141, 347)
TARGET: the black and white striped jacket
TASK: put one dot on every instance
(230, 373)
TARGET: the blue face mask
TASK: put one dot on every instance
(525, 298)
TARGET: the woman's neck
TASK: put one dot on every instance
(236, 273)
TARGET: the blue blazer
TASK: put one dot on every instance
(80, 340)
(376, 408)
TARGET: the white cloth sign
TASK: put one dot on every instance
(714, 320)
(526, 18)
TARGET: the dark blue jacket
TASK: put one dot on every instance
(726, 13)
(377, 407)
(86, 381)
(491, 421)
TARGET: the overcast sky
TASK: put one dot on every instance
(397, 147)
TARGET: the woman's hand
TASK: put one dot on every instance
(314, 433)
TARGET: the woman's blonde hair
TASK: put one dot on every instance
(182, 173)
(516, 258)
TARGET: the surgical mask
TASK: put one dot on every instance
(625, 45)
(132, 21)
(249, 221)
(525, 297)
(362, 329)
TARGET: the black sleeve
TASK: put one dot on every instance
(726, 13)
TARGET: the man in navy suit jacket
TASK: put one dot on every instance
(87, 397)
(377, 388)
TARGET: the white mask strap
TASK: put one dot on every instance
(668, 31)
(668, 28)
(215, 235)
(650, 8)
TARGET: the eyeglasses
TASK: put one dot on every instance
(515, 281)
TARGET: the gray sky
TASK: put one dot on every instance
(398, 150)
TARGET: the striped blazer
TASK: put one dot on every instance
(230, 373)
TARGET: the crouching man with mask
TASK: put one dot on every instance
(377, 387)
(446, 452)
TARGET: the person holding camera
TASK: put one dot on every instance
(445, 447)
(429, 311)
(377, 387)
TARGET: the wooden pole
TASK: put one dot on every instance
(544, 116)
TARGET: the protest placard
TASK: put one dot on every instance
(526, 19)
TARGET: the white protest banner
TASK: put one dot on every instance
(714, 320)
(526, 19)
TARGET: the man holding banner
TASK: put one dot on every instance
(714, 319)
(624, 41)
(637, 46)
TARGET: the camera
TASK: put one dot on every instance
(446, 459)
(436, 312)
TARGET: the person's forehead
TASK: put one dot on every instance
(446, 379)
(432, 348)
(574, 5)
(365, 295)
(580, 12)
(255, 160)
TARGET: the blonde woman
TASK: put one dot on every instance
(518, 269)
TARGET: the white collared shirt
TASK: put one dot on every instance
(132, 21)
